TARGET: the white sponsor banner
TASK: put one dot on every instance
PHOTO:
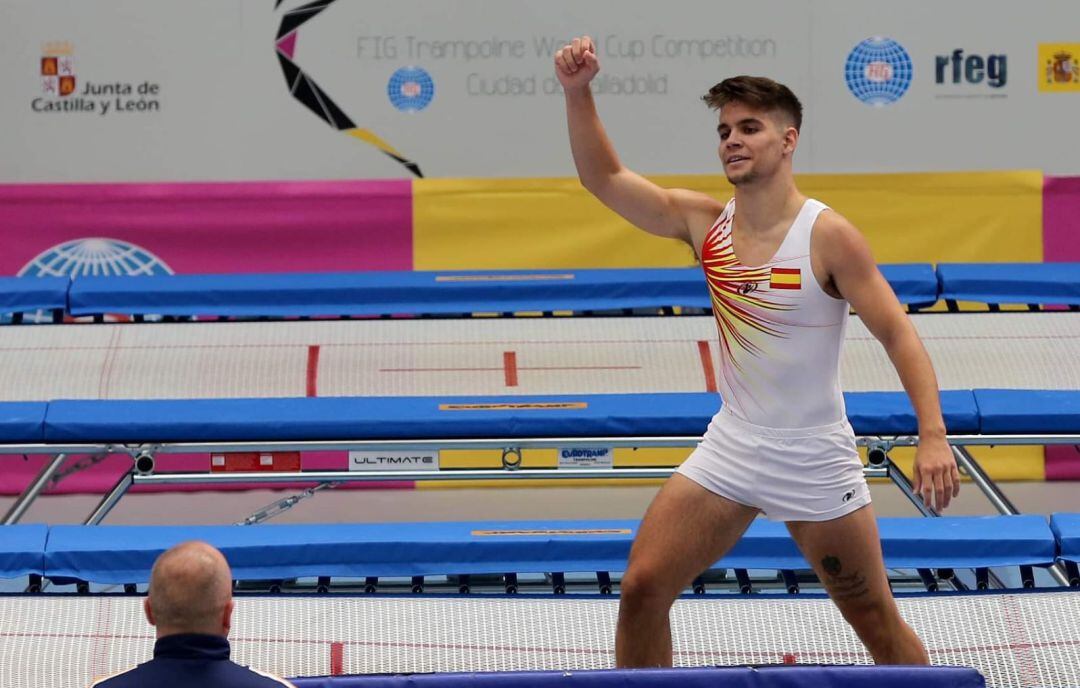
(393, 460)
(590, 457)
(157, 90)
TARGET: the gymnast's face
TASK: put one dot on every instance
(754, 143)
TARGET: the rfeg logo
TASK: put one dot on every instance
(973, 69)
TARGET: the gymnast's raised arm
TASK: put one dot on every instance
(665, 212)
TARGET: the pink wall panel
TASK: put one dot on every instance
(1061, 219)
(1061, 243)
(219, 227)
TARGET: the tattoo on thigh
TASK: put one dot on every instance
(843, 586)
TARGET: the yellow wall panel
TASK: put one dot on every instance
(555, 223)
(940, 217)
(502, 224)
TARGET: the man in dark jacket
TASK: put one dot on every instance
(190, 602)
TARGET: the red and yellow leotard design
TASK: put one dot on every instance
(780, 334)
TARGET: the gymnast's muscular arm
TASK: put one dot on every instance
(665, 212)
(845, 257)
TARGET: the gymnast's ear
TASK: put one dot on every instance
(791, 140)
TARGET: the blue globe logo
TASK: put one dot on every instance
(410, 89)
(95, 257)
(878, 71)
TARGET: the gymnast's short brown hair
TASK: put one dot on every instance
(758, 92)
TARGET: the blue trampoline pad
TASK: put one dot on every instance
(22, 550)
(25, 294)
(891, 413)
(406, 418)
(373, 293)
(1038, 283)
(1028, 411)
(735, 677)
(915, 284)
(22, 422)
(344, 418)
(1066, 529)
(125, 554)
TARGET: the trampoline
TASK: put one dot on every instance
(491, 596)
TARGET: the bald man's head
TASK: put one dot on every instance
(190, 591)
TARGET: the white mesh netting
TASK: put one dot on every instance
(474, 357)
(1014, 640)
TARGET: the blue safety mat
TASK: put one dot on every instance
(1066, 529)
(22, 422)
(25, 294)
(726, 677)
(915, 284)
(22, 550)
(1037, 283)
(377, 293)
(1027, 412)
(356, 418)
(125, 554)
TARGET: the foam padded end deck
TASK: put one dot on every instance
(24, 294)
(1066, 529)
(22, 549)
(22, 422)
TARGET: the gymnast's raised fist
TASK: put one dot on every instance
(576, 63)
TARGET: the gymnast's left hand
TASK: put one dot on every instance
(937, 479)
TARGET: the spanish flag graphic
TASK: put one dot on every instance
(785, 278)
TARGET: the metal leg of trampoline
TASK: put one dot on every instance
(901, 481)
(966, 461)
(1002, 503)
(109, 501)
(31, 493)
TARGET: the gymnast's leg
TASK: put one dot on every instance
(686, 530)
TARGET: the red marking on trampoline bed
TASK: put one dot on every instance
(1025, 659)
(475, 370)
(107, 364)
(99, 656)
(510, 368)
(313, 370)
(337, 659)
(707, 366)
(439, 370)
(581, 368)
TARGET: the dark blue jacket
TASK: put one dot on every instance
(191, 659)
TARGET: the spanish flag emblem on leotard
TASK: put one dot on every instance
(785, 278)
